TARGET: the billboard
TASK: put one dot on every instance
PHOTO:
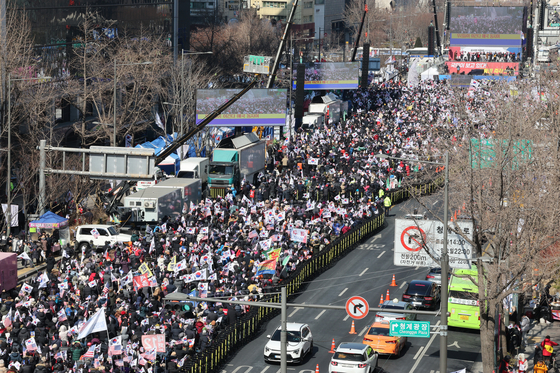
(553, 17)
(258, 107)
(483, 68)
(487, 26)
(330, 75)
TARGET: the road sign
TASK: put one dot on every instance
(357, 307)
(401, 328)
(418, 243)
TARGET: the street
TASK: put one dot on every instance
(367, 271)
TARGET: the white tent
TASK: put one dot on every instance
(429, 74)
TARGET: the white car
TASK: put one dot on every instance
(99, 234)
(354, 358)
(300, 343)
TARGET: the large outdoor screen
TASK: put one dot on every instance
(258, 107)
(487, 26)
(329, 75)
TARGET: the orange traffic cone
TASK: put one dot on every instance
(353, 328)
(332, 347)
(317, 369)
(394, 282)
(381, 300)
(388, 296)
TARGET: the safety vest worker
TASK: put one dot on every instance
(381, 193)
(387, 204)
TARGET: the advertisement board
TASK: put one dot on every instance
(330, 75)
(491, 26)
(553, 17)
(419, 243)
(258, 107)
(483, 68)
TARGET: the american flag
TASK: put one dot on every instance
(90, 352)
(115, 347)
(253, 234)
(30, 344)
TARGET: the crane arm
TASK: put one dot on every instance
(359, 33)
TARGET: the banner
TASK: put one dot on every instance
(268, 267)
(155, 341)
(141, 281)
(299, 235)
(483, 68)
(97, 323)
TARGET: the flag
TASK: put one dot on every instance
(273, 254)
(43, 280)
(30, 344)
(115, 346)
(24, 256)
(27, 288)
(8, 319)
(181, 362)
(182, 265)
(150, 355)
(92, 284)
(159, 122)
(61, 315)
(114, 278)
(127, 279)
(96, 323)
(145, 269)
(253, 234)
(90, 352)
(172, 263)
(268, 267)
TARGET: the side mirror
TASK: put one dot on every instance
(268, 336)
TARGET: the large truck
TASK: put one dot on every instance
(327, 105)
(8, 271)
(195, 168)
(191, 190)
(152, 204)
(236, 159)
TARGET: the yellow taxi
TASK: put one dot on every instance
(379, 339)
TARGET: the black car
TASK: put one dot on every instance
(422, 294)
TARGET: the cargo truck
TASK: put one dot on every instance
(195, 168)
(190, 188)
(236, 159)
(152, 204)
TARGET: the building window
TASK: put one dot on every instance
(210, 5)
(196, 5)
(308, 5)
(274, 4)
(319, 2)
(308, 19)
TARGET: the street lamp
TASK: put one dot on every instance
(115, 64)
(444, 259)
(9, 150)
(183, 52)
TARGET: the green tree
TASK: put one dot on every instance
(418, 43)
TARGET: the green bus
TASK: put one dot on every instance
(463, 304)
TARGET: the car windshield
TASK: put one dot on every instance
(221, 170)
(292, 336)
(418, 289)
(463, 295)
(378, 331)
(112, 231)
(392, 307)
(348, 356)
(435, 271)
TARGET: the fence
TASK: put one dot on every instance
(235, 336)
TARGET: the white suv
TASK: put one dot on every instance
(99, 234)
(354, 358)
(300, 343)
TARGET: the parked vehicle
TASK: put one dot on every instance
(152, 204)
(195, 168)
(99, 234)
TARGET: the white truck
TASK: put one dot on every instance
(191, 190)
(312, 121)
(152, 204)
(195, 168)
(327, 105)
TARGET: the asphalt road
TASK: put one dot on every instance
(366, 271)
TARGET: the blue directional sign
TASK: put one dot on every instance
(403, 328)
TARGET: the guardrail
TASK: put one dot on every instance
(247, 327)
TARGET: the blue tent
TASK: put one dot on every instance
(49, 220)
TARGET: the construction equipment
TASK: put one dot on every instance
(359, 33)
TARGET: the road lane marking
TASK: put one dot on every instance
(402, 285)
(265, 369)
(342, 292)
(295, 310)
(346, 318)
(418, 353)
(380, 255)
(364, 271)
(416, 268)
(456, 344)
(320, 314)
(247, 370)
(432, 371)
(425, 349)
(363, 331)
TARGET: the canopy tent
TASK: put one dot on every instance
(49, 220)
(430, 73)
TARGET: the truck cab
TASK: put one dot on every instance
(224, 174)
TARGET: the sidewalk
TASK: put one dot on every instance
(536, 334)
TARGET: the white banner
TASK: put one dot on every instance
(299, 235)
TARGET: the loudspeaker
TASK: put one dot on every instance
(300, 81)
(542, 12)
(447, 15)
(365, 66)
(529, 46)
(431, 50)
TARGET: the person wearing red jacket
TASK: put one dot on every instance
(547, 351)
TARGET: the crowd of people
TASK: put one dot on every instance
(485, 57)
(101, 309)
(487, 20)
